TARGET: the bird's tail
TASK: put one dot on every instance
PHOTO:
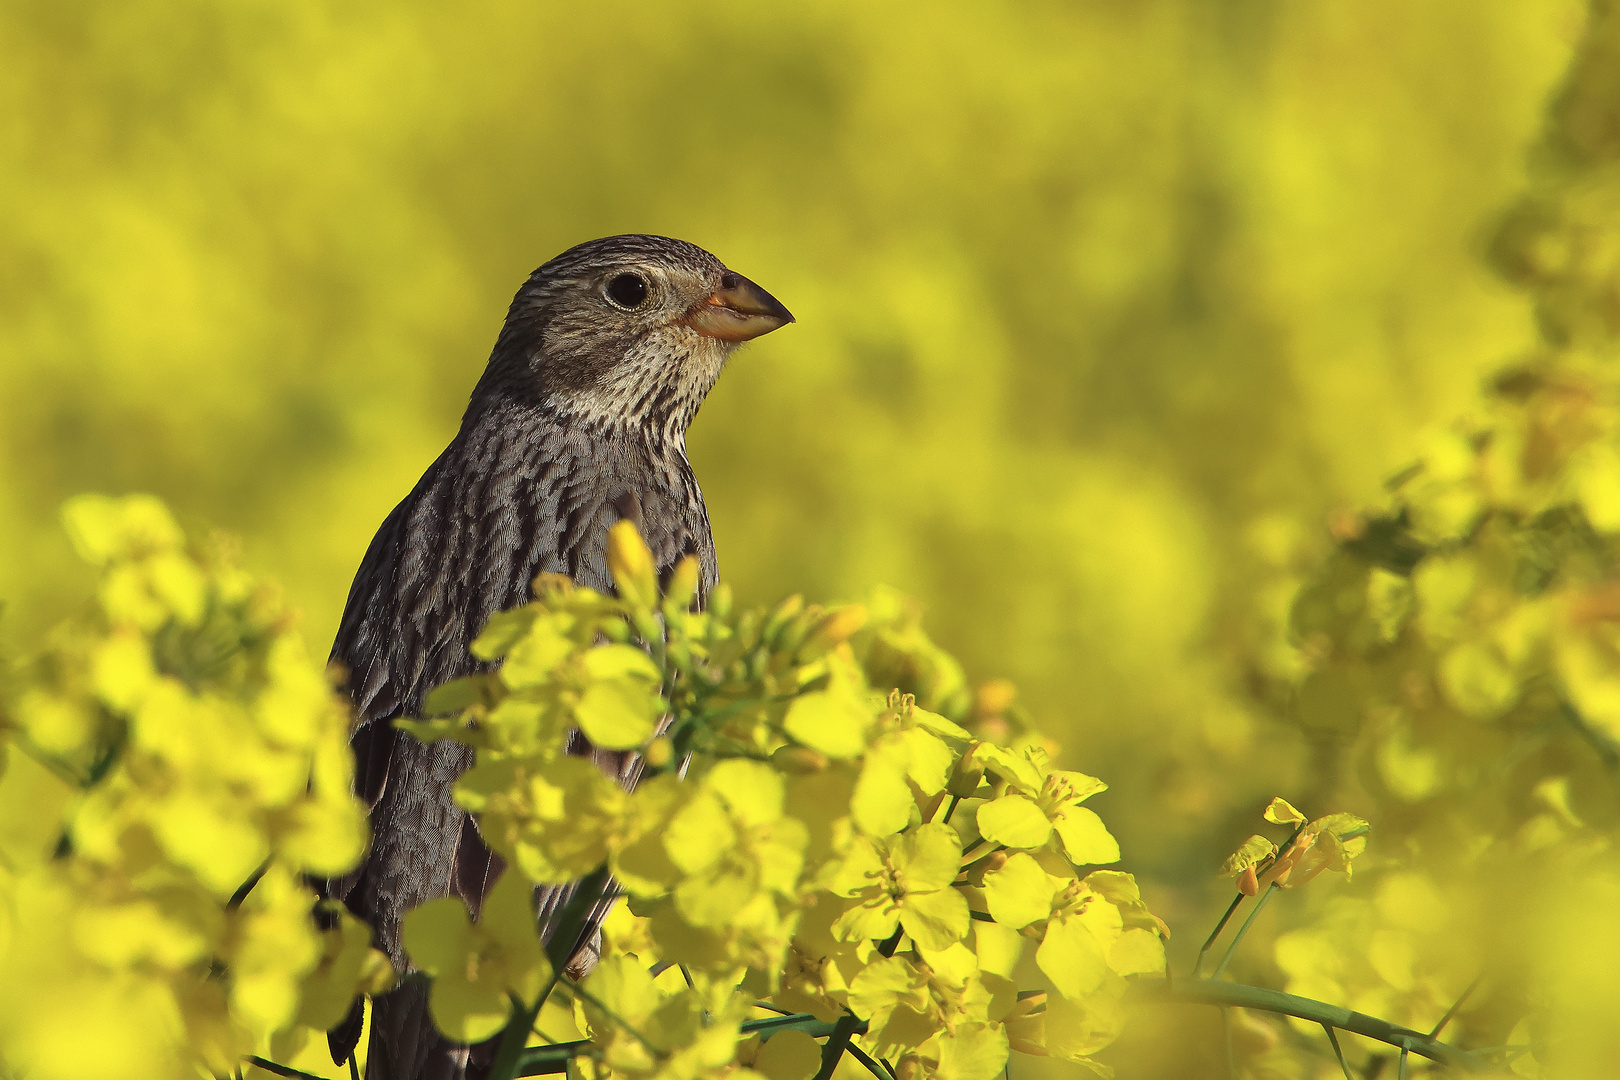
(404, 1045)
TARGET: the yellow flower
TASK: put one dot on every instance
(904, 881)
(1039, 802)
(476, 966)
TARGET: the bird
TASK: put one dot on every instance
(579, 421)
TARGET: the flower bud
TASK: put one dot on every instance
(778, 619)
(720, 601)
(834, 628)
(994, 697)
(682, 589)
(660, 752)
(631, 564)
(966, 777)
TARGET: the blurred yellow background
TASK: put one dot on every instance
(1104, 308)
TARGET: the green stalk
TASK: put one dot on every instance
(559, 951)
(1237, 939)
(1225, 995)
(1209, 942)
(838, 1041)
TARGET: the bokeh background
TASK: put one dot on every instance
(1105, 308)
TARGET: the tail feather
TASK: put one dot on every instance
(404, 1044)
(342, 1039)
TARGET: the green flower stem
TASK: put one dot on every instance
(62, 769)
(1607, 750)
(241, 894)
(1231, 1049)
(1333, 1040)
(871, 1066)
(838, 1041)
(550, 1060)
(1209, 942)
(559, 951)
(1446, 1019)
(805, 1022)
(282, 1070)
(1237, 939)
(575, 988)
(1224, 994)
(768, 1007)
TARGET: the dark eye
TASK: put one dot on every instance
(627, 290)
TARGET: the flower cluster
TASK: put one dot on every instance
(805, 840)
(176, 763)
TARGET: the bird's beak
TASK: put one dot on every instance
(738, 311)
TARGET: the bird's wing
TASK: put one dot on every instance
(465, 544)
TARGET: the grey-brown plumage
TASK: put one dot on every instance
(579, 420)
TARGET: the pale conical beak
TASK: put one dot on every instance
(738, 311)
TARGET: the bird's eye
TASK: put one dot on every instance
(628, 290)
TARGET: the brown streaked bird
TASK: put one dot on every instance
(579, 421)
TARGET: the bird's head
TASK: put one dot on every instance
(627, 332)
